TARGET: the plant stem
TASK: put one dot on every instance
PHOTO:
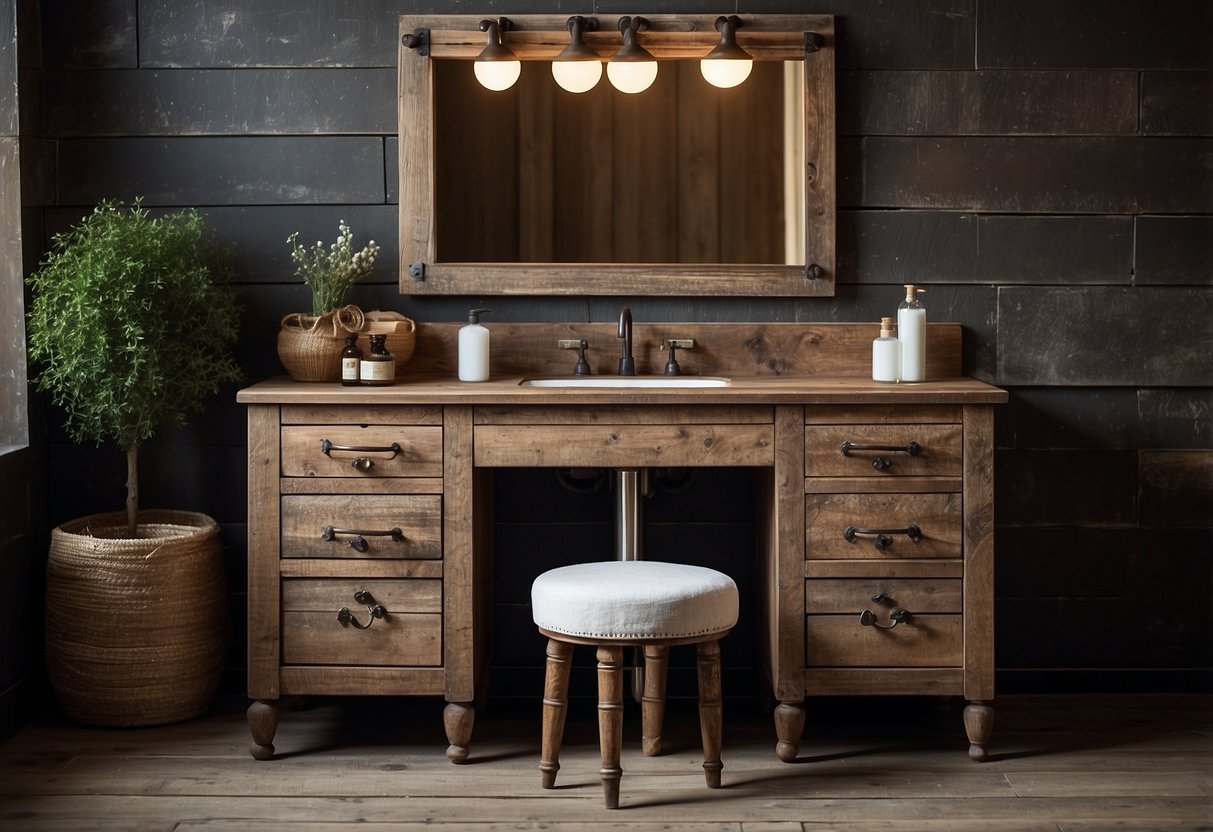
(132, 492)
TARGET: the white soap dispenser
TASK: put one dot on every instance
(912, 332)
(886, 353)
(474, 348)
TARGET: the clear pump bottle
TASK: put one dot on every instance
(886, 353)
(912, 332)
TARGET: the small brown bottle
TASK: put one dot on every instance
(378, 369)
(351, 360)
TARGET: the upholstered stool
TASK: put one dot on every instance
(616, 604)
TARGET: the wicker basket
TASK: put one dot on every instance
(401, 334)
(309, 346)
(136, 628)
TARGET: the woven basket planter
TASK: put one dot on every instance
(136, 628)
(309, 346)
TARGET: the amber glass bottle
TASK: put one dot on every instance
(351, 360)
(378, 368)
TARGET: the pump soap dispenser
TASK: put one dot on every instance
(912, 332)
(474, 348)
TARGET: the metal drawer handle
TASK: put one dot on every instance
(359, 544)
(882, 538)
(346, 618)
(897, 615)
(361, 463)
(880, 463)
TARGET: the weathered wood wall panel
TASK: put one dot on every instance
(221, 102)
(1070, 33)
(1173, 250)
(1177, 103)
(94, 34)
(1090, 175)
(987, 103)
(249, 33)
(222, 171)
(1043, 167)
(1105, 336)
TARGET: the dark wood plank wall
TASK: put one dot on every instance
(1045, 169)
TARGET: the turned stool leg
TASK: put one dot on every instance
(555, 706)
(656, 665)
(979, 725)
(458, 717)
(610, 720)
(711, 711)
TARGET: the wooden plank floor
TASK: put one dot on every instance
(378, 765)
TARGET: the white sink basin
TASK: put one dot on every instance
(627, 381)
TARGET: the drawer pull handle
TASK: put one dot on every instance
(360, 463)
(897, 615)
(880, 463)
(346, 618)
(359, 544)
(881, 538)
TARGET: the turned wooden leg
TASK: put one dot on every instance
(656, 665)
(711, 711)
(610, 720)
(458, 717)
(263, 723)
(789, 723)
(979, 725)
(555, 706)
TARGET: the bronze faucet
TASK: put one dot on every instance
(627, 364)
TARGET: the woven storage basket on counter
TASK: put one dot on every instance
(136, 628)
(309, 346)
(401, 334)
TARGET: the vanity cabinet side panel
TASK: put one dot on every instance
(458, 535)
(979, 552)
(788, 530)
(264, 634)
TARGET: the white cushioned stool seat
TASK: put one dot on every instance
(651, 605)
(631, 600)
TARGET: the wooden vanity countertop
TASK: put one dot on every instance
(741, 390)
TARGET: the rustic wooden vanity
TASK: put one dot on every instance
(370, 525)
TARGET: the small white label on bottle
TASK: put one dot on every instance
(378, 370)
(349, 369)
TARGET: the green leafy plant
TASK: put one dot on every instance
(331, 272)
(131, 325)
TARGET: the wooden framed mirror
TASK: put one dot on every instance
(684, 189)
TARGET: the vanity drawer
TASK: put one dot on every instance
(883, 525)
(408, 635)
(369, 518)
(851, 596)
(361, 451)
(925, 640)
(916, 450)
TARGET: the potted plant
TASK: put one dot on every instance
(309, 346)
(131, 327)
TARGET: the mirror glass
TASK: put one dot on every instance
(681, 173)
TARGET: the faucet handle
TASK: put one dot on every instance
(672, 344)
(583, 367)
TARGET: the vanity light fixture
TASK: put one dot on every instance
(728, 64)
(578, 67)
(496, 67)
(633, 68)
